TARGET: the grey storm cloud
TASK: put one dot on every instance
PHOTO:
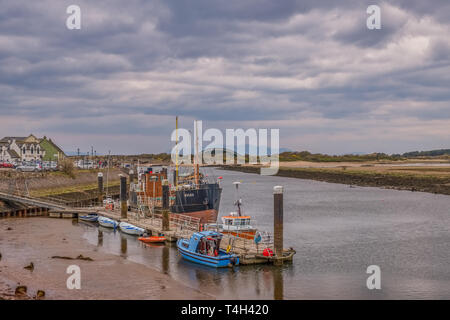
(310, 68)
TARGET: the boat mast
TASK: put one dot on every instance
(176, 157)
(196, 162)
(238, 201)
(107, 174)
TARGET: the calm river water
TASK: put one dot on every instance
(337, 231)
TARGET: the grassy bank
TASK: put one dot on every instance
(433, 180)
(66, 190)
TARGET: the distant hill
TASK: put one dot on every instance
(431, 153)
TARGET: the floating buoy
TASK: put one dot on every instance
(267, 252)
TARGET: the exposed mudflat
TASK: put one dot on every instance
(107, 276)
(438, 183)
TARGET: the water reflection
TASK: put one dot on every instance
(123, 246)
(277, 274)
(100, 238)
(165, 259)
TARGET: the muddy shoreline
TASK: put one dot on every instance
(412, 183)
(103, 275)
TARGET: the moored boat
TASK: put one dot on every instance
(91, 217)
(107, 222)
(235, 223)
(152, 239)
(238, 226)
(204, 248)
(131, 229)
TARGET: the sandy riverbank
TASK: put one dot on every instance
(56, 181)
(414, 178)
(108, 276)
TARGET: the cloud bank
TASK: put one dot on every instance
(310, 68)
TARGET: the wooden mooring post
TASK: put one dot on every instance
(278, 223)
(123, 197)
(100, 187)
(165, 206)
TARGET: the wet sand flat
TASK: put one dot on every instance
(108, 276)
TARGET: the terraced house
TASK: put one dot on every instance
(15, 149)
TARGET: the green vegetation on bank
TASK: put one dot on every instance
(432, 153)
(299, 156)
(318, 157)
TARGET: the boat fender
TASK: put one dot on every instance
(228, 249)
(216, 253)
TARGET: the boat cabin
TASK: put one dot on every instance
(233, 221)
(205, 242)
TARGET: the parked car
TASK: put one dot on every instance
(6, 165)
(29, 167)
(49, 165)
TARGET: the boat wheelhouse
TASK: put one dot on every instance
(235, 223)
(238, 226)
(204, 248)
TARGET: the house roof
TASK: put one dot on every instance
(12, 154)
(53, 144)
(22, 140)
(6, 139)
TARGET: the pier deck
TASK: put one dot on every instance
(182, 226)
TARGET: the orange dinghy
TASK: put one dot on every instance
(152, 239)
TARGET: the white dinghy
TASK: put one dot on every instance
(131, 229)
(107, 222)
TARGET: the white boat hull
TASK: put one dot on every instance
(131, 229)
(107, 222)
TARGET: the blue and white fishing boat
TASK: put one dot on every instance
(107, 222)
(91, 217)
(131, 229)
(204, 248)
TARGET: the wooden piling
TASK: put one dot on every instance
(100, 187)
(278, 222)
(165, 206)
(123, 197)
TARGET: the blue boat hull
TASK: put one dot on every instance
(221, 261)
(89, 218)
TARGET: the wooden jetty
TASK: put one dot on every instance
(172, 226)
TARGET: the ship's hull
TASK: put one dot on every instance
(205, 216)
(205, 197)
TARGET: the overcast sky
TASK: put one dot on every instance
(310, 68)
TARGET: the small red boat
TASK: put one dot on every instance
(152, 239)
